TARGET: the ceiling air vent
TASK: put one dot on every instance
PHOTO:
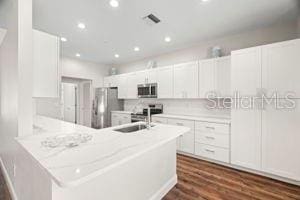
(151, 19)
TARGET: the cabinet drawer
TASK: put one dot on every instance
(212, 138)
(160, 120)
(211, 152)
(212, 127)
(186, 123)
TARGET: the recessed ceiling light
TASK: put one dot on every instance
(63, 39)
(168, 39)
(117, 55)
(81, 25)
(136, 49)
(114, 3)
(205, 1)
(78, 55)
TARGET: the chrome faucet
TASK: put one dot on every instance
(148, 123)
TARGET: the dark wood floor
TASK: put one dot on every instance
(199, 180)
(4, 193)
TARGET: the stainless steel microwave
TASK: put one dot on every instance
(147, 90)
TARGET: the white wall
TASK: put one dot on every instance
(76, 68)
(15, 78)
(275, 33)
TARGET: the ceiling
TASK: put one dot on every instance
(111, 31)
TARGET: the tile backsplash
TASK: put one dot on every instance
(194, 107)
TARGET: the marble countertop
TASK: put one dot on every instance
(214, 119)
(107, 149)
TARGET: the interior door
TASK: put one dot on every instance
(281, 69)
(207, 82)
(246, 71)
(70, 102)
(281, 140)
(165, 82)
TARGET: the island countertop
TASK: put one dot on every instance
(106, 150)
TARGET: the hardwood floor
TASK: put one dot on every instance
(199, 180)
(4, 193)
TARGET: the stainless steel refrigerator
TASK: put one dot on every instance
(105, 101)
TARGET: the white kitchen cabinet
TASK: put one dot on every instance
(159, 120)
(46, 65)
(131, 86)
(246, 69)
(186, 80)
(147, 76)
(122, 86)
(281, 141)
(223, 76)
(185, 143)
(246, 138)
(165, 78)
(207, 82)
(110, 81)
(120, 119)
(280, 68)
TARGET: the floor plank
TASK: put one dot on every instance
(201, 180)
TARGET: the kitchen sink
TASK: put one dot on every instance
(131, 129)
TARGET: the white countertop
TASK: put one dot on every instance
(107, 149)
(214, 119)
(122, 112)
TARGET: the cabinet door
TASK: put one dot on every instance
(115, 120)
(281, 141)
(186, 80)
(126, 119)
(131, 86)
(141, 77)
(165, 82)
(207, 81)
(280, 68)
(151, 76)
(223, 76)
(46, 73)
(246, 71)
(159, 120)
(122, 86)
(246, 138)
(185, 143)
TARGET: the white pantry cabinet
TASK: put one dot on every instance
(165, 82)
(281, 141)
(46, 65)
(281, 68)
(186, 80)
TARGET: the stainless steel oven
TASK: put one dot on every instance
(147, 90)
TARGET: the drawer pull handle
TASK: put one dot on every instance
(210, 151)
(209, 127)
(179, 124)
(209, 137)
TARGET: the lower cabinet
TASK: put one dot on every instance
(185, 143)
(212, 152)
(120, 119)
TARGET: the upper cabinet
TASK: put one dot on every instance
(281, 68)
(165, 82)
(147, 76)
(246, 71)
(186, 80)
(111, 81)
(131, 86)
(46, 65)
(122, 86)
(214, 77)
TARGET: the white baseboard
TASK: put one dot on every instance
(8, 181)
(165, 189)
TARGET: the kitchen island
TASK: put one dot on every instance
(112, 165)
